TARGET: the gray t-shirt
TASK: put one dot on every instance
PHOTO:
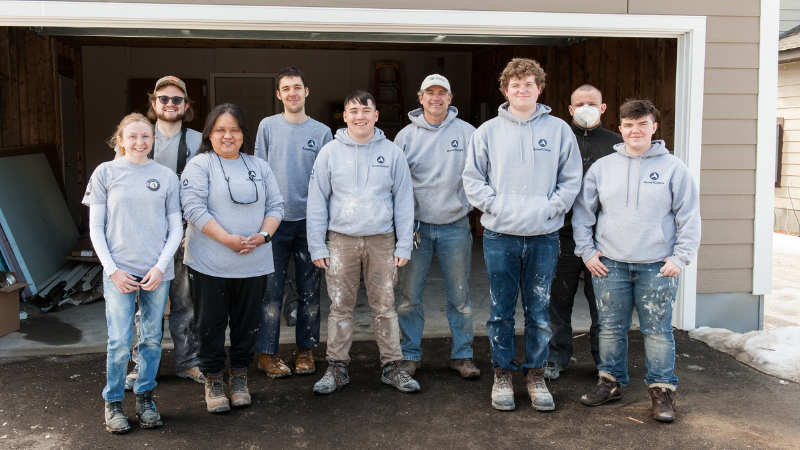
(166, 149)
(206, 195)
(291, 149)
(138, 199)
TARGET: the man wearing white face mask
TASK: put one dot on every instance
(586, 107)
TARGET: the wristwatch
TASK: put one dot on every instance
(266, 235)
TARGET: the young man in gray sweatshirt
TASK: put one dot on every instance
(434, 144)
(360, 216)
(290, 142)
(523, 171)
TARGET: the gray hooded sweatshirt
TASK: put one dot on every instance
(360, 189)
(649, 209)
(523, 175)
(436, 156)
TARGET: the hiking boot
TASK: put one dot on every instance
(395, 375)
(541, 399)
(410, 366)
(334, 379)
(146, 410)
(273, 366)
(192, 374)
(130, 379)
(663, 403)
(216, 400)
(607, 390)
(552, 370)
(304, 362)
(503, 390)
(466, 368)
(240, 395)
(116, 422)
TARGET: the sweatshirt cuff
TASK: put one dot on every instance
(677, 261)
(402, 252)
(203, 220)
(588, 255)
(319, 253)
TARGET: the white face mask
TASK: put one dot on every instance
(586, 116)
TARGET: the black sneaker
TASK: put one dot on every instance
(146, 410)
(116, 422)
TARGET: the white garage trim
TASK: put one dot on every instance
(689, 30)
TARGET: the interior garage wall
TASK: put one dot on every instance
(330, 75)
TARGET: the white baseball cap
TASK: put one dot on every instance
(435, 80)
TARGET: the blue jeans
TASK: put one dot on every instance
(641, 285)
(453, 246)
(513, 262)
(290, 240)
(120, 309)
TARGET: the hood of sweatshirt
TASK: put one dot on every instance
(541, 110)
(417, 118)
(657, 148)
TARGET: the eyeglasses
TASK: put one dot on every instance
(165, 99)
(250, 175)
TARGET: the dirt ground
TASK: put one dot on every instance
(55, 402)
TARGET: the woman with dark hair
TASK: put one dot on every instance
(233, 205)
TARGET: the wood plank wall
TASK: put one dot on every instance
(622, 68)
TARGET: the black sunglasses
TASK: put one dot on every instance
(251, 177)
(175, 100)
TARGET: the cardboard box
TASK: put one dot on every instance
(83, 249)
(9, 307)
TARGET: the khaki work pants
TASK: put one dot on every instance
(349, 256)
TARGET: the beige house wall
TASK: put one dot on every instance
(787, 196)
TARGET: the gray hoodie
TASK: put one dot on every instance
(436, 156)
(360, 189)
(523, 175)
(649, 209)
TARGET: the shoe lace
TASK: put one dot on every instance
(116, 408)
(469, 364)
(538, 382)
(217, 388)
(400, 373)
(334, 372)
(503, 380)
(148, 402)
(238, 382)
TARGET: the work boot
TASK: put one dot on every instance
(395, 375)
(192, 374)
(304, 362)
(503, 390)
(607, 390)
(552, 370)
(334, 379)
(466, 368)
(131, 378)
(146, 410)
(663, 400)
(240, 395)
(273, 366)
(216, 401)
(541, 399)
(411, 366)
(116, 422)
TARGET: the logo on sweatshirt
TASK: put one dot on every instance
(381, 160)
(153, 184)
(311, 143)
(454, 147)
(542, 143)
(311, 146)
(654, 178)
(542, 146)
(185, 182)
(251, 174)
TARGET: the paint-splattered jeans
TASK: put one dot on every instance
(453, 246)
(290, 240)
(511, 262)
(120, 309)
(349, 256)
(641, 285)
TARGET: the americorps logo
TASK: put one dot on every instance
(381, 160)
(654, 179)
(542, 146)
(311, 143)
(311, 146)
(542, 143)
(654, 176)
(185, 182)
(153, 184)
(454, 144)
(251, 174)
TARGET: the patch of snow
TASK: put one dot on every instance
(775, 352)
(782, 307)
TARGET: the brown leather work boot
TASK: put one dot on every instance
(605, 391)
(273, 366)
(216, 400)
(410, 366)
(240, 395)
(663, 403)
(304, 363)
(466, 368)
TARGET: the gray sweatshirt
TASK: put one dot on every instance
(205, 195)
(649, 209)
(523, 175)
(436, 155)
(290, 149)
(360, 189)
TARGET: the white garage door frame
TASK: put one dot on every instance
(690, 31)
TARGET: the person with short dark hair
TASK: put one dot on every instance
(233, 205)
(290, 142)
(360, 216)
(636, 224)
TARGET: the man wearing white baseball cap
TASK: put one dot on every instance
(434, 144)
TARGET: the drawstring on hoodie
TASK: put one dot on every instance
(519, 135)
(638, 177)
(369, 158)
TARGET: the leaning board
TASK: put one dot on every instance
(34, 217)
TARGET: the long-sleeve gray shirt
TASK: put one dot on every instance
(206, 195)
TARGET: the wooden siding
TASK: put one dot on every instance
(789, 183)
(790, 14)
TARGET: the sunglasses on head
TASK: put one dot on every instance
(165, 99)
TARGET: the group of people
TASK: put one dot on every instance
(358, 205)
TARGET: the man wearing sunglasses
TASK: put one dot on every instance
(174, 146)
(290, 142)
